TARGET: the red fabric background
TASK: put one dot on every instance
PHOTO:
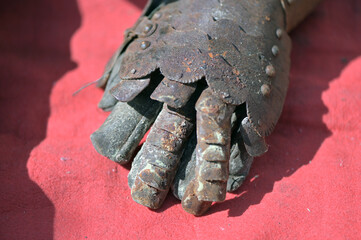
(55, 186)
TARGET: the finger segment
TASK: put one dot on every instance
(127, 90)
(212, 154)
(160, 156)
(255, 143)
(120, 134)
(213, 137)
(172, 93)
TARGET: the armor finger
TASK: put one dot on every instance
(239, 163)
(254, 142)
(174, 94)
(212, 153)
(155, 165)
(125, 127)
(127, 90)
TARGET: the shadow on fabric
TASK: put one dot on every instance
(35, 53)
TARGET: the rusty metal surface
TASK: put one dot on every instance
(150, 6)
(238, 50)
(191, 203)
(212, 154)
(232, 44)
(127, 90)
(118, 137)
(159, 157)
(213, 146)
(253, 142)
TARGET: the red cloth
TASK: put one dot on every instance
(55, 185)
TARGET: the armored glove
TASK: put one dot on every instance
(211, 76)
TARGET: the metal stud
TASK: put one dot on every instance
(148, 27)
(133, 71)
(275, 50)
(265, 90)
(279, 33)
(270, 71)
(157, 16)
(225, 95)
(144, 45)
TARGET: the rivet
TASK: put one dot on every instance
(275, 50)
(270, 71)
(157, 16)
(148, 27)
(265, 90)
(260, 123)
(279, 33)
(133, 71)
(144, 45)
(225, 95)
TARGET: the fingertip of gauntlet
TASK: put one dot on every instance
(146, 195)
(191, 203)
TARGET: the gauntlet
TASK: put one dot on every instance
(211, 76)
